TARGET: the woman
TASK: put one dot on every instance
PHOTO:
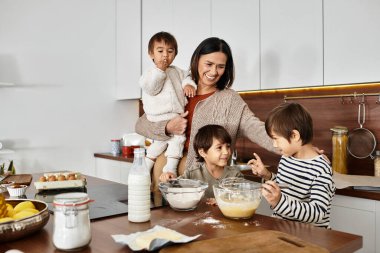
(212, 69)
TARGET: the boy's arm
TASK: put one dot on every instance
(152, 81)
(315, 210)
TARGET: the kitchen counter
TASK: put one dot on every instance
(189, 223)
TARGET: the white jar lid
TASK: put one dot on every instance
(71, 199)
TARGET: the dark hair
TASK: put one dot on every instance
(288, 117)
(205, 137)
(163, 36)
(212, 45)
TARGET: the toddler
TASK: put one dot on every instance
(212, 145)
(307, 173)
(164, 88)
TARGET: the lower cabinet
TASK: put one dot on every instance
(358, 216)
(112, 170)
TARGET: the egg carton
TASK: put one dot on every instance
(78, 182)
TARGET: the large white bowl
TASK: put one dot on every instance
(183, 194)
(238, 200)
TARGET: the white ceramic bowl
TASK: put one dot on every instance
(238, 200)
(16, 190)
(183, 194)
(4, 185)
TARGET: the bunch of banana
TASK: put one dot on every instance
(21, 210)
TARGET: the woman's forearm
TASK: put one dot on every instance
(152, 130)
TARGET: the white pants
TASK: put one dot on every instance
(174, 147)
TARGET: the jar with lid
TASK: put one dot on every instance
(339, 149)
(71, 221)
(377, 164)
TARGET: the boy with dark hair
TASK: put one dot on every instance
(308, 174)
(212, 145)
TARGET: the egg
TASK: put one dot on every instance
(61, 178)
(71, 177)
(42, 179)
(52, 178)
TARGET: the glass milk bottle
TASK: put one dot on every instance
(139, 189)
(339, 149)
(71, 221)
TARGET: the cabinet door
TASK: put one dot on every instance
(356, 216)
(128, 48)
(351, 41)
(187, 21)
(108, 169)
(291, 43)
(237, 22)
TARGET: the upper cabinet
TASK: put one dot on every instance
(128, 48)
(351, 41)
(187, 21)
(291, 43)
(238, 23)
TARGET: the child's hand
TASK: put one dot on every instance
(166, 176)
(211, 202)
(271, 192)
(189, 91)
(258, 168)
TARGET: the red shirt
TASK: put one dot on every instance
(190, 107)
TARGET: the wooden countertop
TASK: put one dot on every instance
(189, 223)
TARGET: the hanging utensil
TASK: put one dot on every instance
(361, 141)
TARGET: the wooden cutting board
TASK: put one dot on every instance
(20, 178)
(266, 241)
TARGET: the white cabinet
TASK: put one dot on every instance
(112, 170)
(291, 43)
(238, 23)
(357, 216)
(128, 48)
(187, 21)
(351, 41)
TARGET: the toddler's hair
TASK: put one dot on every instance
(287, 117)
(205, 137)
(163, 36)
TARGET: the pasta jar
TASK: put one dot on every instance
(339, 149)
(71, 221)
(377, 164)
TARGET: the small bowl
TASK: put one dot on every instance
(183, 194)
(17, 229)
(238, 200)
(4, 185)
(17, 190)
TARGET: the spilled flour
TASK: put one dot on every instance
(206, 219)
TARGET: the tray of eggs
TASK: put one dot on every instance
(60, 180)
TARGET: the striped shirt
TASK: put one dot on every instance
(311, 190)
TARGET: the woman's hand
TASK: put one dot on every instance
(166, 176)
(271, 192)
(258, 168)
(322, 152)
(177, 125)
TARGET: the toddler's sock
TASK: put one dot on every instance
(171, 165)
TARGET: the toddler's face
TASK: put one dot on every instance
(163, 54)
(283, 145)
(218, 154)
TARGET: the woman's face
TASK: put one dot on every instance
(211, 67)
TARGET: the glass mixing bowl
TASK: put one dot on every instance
(237, 198)
(183, 194)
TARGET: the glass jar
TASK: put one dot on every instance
(339, 149)
(71, 221)
(377, 164)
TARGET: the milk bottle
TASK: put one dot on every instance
(139, 189)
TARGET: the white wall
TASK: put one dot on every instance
(60, 54)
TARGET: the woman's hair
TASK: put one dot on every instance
(205, 137)
(287, 117)
(163, 36)
(212, 45)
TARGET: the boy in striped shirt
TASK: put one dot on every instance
(308, 174)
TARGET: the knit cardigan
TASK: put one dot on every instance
(225, 108)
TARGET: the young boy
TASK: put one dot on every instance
(308, 174)
(212, 145)
(164, 88)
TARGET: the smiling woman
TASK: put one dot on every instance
(212, 69)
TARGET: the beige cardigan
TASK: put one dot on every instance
(225, 108)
